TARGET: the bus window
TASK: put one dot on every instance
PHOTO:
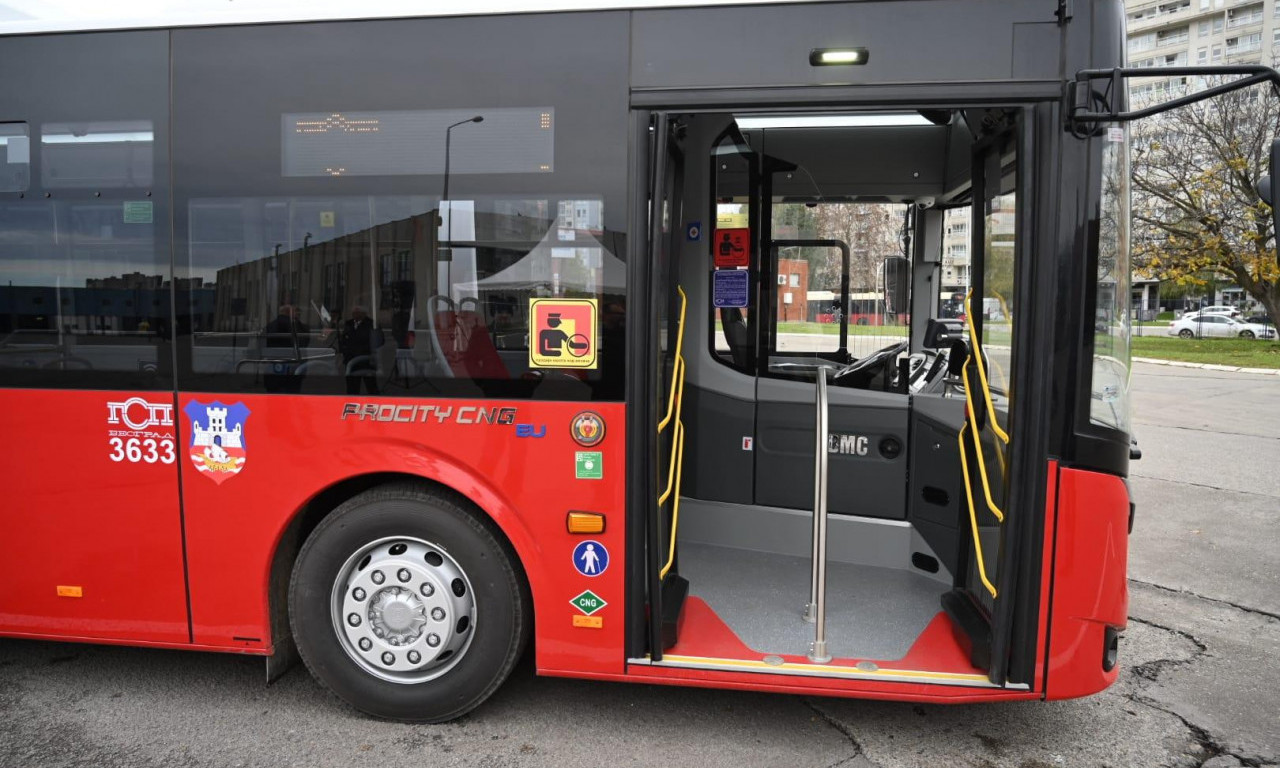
(1109, 401)
(391, 241)
(84, 244)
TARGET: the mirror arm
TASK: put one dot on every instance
(1080, 91)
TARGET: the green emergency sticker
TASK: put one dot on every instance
(137, 212)
(589, 465)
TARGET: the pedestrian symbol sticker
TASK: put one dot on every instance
(588, 465)
(588, 602)
(591, 559)
(564, 333)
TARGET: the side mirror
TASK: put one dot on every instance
(897, 284)
(1265, 184)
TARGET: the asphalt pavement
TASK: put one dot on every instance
(1200, 683)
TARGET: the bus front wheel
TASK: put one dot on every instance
(407, 605)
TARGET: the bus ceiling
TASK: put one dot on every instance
(812, 158)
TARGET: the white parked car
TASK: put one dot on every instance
(1219, 325)
(1216, 309)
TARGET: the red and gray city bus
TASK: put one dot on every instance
(405, 344)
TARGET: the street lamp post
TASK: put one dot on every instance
(445, 196)
(447, 136)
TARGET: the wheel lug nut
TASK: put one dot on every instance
(433, 640)
(414, 657)
(377, 577)
(403, 574)
(365, 644)
(437, 614)
(388, 658)
(358, 593)
(427, 590)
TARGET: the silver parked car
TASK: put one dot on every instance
(1221, 326)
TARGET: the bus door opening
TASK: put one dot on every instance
(801, 248)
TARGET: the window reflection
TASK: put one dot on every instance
(392, 294)
(413, 142)
(82, 288)
(15, 157)
(97, 154)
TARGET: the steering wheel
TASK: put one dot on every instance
(866, 366)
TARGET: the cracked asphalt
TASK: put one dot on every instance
(1200, 684)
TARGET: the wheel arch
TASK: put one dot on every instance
(501, 517)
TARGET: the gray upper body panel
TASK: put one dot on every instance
(738, 47)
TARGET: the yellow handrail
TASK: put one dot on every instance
(971, 424)
(675, 505)
(675, 406)
(973, 515)
(976, 356)
(982, 369)
(678, 369)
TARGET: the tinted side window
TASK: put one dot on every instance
(382, 221)
(84, 220)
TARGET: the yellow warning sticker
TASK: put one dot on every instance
(563, 333)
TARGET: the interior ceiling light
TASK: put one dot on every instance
(865, 120)
(836, 57)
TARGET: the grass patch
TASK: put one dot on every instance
(1247, 353)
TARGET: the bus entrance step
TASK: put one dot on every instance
(675, 588)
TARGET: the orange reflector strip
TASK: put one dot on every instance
(70, 591)
(585, 522)
(590, 622)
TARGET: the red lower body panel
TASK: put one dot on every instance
(1090, 587)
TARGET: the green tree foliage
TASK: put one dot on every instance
(1197, 215)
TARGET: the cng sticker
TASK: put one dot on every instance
(588, 602)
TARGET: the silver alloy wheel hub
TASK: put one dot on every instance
(403, 610)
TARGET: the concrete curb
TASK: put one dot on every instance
(1208, 366)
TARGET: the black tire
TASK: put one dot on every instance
(1187, 333)
(502, 620)
(1246, 334)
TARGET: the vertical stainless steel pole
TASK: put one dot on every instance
(819, 455)
(818, 652)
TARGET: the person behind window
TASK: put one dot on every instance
(357, 344)
(286, 330)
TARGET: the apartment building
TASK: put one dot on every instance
(1183, 33)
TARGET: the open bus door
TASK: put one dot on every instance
(727, 429)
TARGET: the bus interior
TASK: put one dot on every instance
(847, 218)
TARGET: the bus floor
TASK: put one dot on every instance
(747, 605)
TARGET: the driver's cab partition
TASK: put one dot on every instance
(812, 243)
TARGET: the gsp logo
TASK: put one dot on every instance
(136, 413)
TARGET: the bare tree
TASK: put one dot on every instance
(872, 231)
(1197, 214)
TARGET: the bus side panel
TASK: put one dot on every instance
(1090, 587)
(520, 467)
(90, 530)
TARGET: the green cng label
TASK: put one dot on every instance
(588, 602)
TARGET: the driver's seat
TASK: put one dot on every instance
(738, 334)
